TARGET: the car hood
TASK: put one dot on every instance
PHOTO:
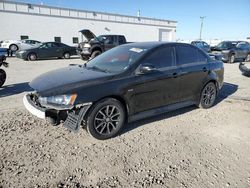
(66, 80)
(88, 34)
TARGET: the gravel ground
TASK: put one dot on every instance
(190, 147)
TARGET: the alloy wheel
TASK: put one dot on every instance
(209, 95)
(32, 57)
(247, 58)
(232, 58)
(107, 120)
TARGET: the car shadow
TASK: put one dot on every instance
(226, 90)
(139, 123)
(13, 89)
(59, 59)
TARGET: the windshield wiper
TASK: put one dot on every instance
(97, 68)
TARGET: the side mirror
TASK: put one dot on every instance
(147, 68)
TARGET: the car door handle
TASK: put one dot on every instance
(204, 69)
(175, 75)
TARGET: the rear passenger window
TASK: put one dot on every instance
(187, 55)
(201, 56)
(163, 57)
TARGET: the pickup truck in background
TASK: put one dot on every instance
(94, 46)
(232, 51)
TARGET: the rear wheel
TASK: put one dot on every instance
(95, 54)
(13, 48)
(231, 58)
(66, 55)
(2, 77)
(247, 59)
(208, 95)
(32, 57)
(106, 119)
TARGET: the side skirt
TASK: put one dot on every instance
(161, 110)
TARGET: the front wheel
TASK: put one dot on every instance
(66, 55)
(208, 95)
(95, 54)
(32, 57)
(247, 59)
(2, 77)
(231, 58)
(106, 119)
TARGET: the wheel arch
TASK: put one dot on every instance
(32, 52)
(96, 48)
(117, 97)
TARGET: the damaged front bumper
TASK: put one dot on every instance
(33, 108)
(72, 118)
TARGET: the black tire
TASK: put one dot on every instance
(106, 118)
(231, 58)
(13, 47)
(2, 77)
(208, 96)
(95, 54)
(32, 57)
(84, 58)
(66, 55)
(247, 59)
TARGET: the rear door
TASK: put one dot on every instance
(159, 88)
(194, 67)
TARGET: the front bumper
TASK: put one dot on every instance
(83, 51)
(21, 55)
(32, 107)
(72, 118)
(224, 56)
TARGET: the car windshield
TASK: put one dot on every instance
(101, 38)
(201, 44)
(225, 45)
(117, 59)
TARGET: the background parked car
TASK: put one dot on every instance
(26, 44)
(3, 51)
(15, 45)
(202, 45)
(94, 46)
(233, 50)
(47, 50)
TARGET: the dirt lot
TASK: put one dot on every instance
(190, 147)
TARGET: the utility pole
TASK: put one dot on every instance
(202, 18)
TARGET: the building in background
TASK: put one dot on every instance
(46, 23)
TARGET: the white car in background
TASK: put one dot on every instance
(15, 45)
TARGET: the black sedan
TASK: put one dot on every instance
(124, 84)
(47, 50)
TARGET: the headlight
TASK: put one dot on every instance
(21, 52)
(225, 51)
(86, 45)
(65, 100)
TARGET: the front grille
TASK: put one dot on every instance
(34, 97)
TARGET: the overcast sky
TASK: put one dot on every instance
(225, 19)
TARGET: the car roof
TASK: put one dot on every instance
(153, 44)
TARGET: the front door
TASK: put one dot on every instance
(109, 42)
(158, 88)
